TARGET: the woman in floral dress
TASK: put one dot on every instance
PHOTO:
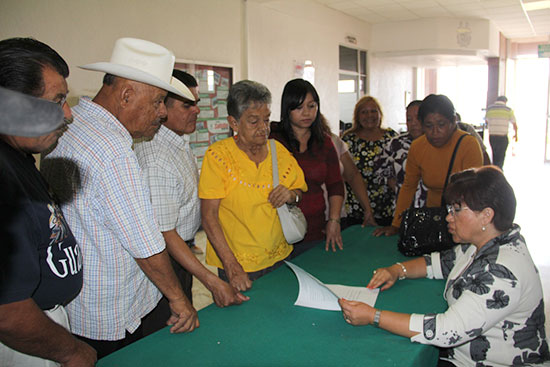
(366, 141)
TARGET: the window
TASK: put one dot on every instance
(352, 82)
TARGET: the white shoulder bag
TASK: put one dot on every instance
(292, 219)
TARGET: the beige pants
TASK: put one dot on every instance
(13, 358)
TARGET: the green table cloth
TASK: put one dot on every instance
(269, 330)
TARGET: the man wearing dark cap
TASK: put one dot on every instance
(41, 263)
(499, 117)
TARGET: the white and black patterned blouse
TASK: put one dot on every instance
(496, 308)
(393, 161)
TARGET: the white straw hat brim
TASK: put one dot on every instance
(128, 72)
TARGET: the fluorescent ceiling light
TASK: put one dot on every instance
(537, 5)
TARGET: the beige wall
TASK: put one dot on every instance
(263, 40)
(284, 32)
(84, 31)
(388, 83)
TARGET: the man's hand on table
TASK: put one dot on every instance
(238, 278)
(386, 231)
(83, 356)
(184, 317)
(225, 295)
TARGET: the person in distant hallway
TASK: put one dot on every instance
(498, 118)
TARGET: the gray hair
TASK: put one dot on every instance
(245, 93)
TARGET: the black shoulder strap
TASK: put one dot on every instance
(451, 167)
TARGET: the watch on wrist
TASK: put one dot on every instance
(376, 321)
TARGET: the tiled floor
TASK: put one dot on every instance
(530, 178)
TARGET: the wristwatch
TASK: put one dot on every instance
(376, 320)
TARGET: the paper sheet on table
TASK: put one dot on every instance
(314, 294)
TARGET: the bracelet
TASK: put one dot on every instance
(334, 220)
(404, 270)
(376, 321)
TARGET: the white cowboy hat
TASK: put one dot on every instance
(142, 61)
(25, 115)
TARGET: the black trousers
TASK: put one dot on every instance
(499, 144)
(150, 321)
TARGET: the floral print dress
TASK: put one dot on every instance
(366, 156)
(394, 160)
(496, 308)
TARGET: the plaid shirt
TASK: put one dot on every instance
(97, 177)
(170, 169)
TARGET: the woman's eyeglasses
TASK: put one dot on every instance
(451, 209)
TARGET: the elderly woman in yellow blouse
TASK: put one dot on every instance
(238, 201)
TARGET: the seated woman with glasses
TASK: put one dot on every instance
(496, 309)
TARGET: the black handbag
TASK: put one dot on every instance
(424, 230)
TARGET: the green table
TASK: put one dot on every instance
(269, 330)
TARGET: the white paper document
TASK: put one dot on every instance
(314, 294)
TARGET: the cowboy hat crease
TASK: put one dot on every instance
(144, 62)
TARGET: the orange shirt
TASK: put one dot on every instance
(431, 164)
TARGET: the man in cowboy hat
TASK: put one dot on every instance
(170, 169)
(40, 261)
(108, 206)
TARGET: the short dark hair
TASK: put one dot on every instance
(294, 94)
(484, 187)
(22, 61)
(109, 79)
(502, 99)
(186, 78)
(416, 102)
(437, 103)
(245, 93)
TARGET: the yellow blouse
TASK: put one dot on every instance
(250, 224)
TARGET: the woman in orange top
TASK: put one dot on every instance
(430, 155)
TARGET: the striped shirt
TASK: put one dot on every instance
(97, 177)
(498, 117)
(170, 169)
